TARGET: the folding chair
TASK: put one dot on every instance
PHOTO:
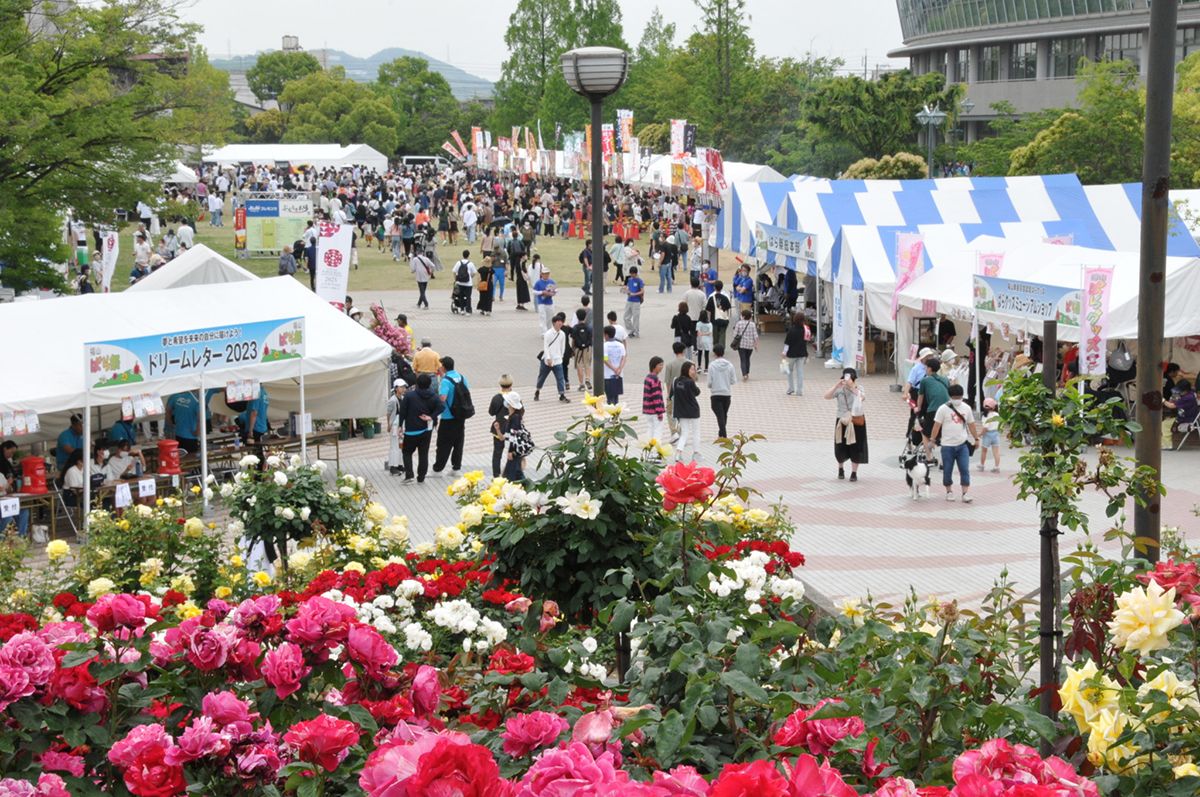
(1187, 429)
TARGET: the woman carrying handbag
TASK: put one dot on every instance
(850, 424)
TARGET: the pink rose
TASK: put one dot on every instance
(818, 736)
(1008, 765)
(570, 770)
(139, 739)
(683, 780)
(259, 762)
(110, 612)
(62, 762)
(685, 483)
(594, 729)
(324, 741)
(807, 777)
(208, 648)
(371, 651)
(426, 690)
(320, 623)
(518, 605)
(28, 652)
(525, 733)
(11, 787)
(226, 708)
(14, 685)
(283, 669)
(50, 785)
(198, 740)
(55, 634)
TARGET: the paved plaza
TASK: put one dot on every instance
(859, 538)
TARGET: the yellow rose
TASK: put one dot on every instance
(195, 489)
(1186, 770)
(1085, 693)
(194, 527)
(425, 549)
(1144, 617)
(1057, 419)
(300, 560)
(1179, 694)
(261, 578)
(376, 512)
(357, 567)
(100, 586)
(591, 400)
(1108, 726)
(471, 515)
(57, 549)
(187, 610)
(147, 579)
(222, 592)
(123, 525)
(473, 477)
(235, 560)
(854, 610)
(183, 584)
(595, 433)
(448, 538)
(19, 595)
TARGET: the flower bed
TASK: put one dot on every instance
(669, 651)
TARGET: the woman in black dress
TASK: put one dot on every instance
(523, 297)
(485, 285)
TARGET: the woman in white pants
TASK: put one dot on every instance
(686, 409)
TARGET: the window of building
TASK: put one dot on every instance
(962, 65)
(1187, 41)
(1022, 61)
(1122, 47)
(989, 63)
(1065, 55)
(937, 61)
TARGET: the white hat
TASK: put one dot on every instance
(948, 356)
(922, 354)
(399, 383)
(513, 400)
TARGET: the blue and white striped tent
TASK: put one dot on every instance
(1103, 217)
(746, 205)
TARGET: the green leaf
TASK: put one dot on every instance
(623, 614)
(668, 737)
(743, 685)
(309, 787)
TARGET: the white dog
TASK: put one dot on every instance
(916, 475)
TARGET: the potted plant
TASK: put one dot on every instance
(369, 427)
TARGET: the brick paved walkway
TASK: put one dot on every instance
(859, 537)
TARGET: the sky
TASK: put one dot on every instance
(470, 33)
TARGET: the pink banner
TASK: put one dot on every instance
(988, 264)
(677, 130)
(1093, 338)
(910, 247)
(458, 140)
(607, 145)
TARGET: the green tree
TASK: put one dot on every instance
(274, 70)
(992, 154)
(328, 107)
(423, 102)
(1101, 141)
(535, 38)
(206, 116)
(93, 101)
(878, 117)
(723, 71)
(901, 166)
(266, 127)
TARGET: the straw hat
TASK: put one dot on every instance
(1022, 361)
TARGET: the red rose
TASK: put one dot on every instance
(78, 688)
(685, 483)
(756, 779)
(323, 741)
(151, 776)
(818, 736)
(173, 597)
(468, 770)
(510, 662)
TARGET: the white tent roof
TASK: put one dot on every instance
(344, 364)
(317, 155)
(197, 266)
(950, 284)
(737, 172)
(182, 174)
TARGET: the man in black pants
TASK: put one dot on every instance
(450, 429)
(417, 411)
(499, 412)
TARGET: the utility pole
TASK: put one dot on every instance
(1156, 183)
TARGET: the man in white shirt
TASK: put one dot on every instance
(186, 235)
(469, 220)
(215, 206)
(956, 424)
(614, 364)
(620, 334)
(123, 464)
(617, 253)
(554, 346)
(464, 276)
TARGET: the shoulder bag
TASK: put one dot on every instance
(970, 443)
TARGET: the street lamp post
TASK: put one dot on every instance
(931, 118)
(596, 73)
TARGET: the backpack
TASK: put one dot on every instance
(720, 307)
(581, 336)
(461, 406)
(462, 274)
(520, 442)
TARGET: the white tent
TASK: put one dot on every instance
(181, 174)
(345, 370)
(317, 155)
(197, 266)
(737, 172)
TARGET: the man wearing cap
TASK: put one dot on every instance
(394, 424)
(917, 373)
(554, 344)
(427, 361)
(543, 296)
(499, 412)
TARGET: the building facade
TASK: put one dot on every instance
(1027, 52)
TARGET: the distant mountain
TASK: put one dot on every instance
(364, 70)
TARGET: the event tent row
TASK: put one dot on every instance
(320, 156)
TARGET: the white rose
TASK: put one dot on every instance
(305, 512)
(248, 461)
(274, 461)
(281, 478)
(320, 466)
(226, 490)
(589, 645)
(289, 513)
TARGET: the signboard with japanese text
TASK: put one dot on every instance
(783, 241)
(129, 361)
(1093, 338)
(1031, 300)
(274, 223)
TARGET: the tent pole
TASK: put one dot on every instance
(978, 357)
(303, 419)
(85, 506)
(817, 283)
(203, 448)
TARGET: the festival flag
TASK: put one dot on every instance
(677, 174)
(695, 176)
(716, 170)
(516, 135)
(110, 249)
(487, 139)
(462, 148)
(606, 139)
(541, 145)
(1097, 287)
(505, 144)
(988, 264)
(333, 262)
(624, 129)
(677, 129)
(239, 228)
(530, 149)
(476, 140)
(909, 249)
(587, 143)
(689, 139)
(557, 133)
(450, 149)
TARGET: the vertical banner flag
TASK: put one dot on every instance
(450, 149)
(587, 143)
(677, 174)
(476, 140)
(333, 263)
(625, 120)
(910, 247)
(458, 140)
(541, 144)
(1093, 335)
(530, 149)
(505, 144)
(989, 263)
(606, 139)
(677, 126)
(689, 139)
(716, 170)
(487, 139)
(516, 136)
(111, 244)
(695, 174)
(239, 228)
(557, 133)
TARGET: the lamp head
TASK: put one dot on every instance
(595, 72)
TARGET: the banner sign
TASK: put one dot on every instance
(1093, 337)
(111, 243)
(239, 228)
(849, 326)
(695, 174)
(625, 130)
(1031, 300)
(19, 422)
(462, 147)
(274, 223)
(989, 263)
(783, 241)
(446, 145)
(689, 139)
(476, 140)
(677, 174)
(910, 249)
(716, 183)
(127, 361)
(333, 263)
(677, 129)
(607, 146)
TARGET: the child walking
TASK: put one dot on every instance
(991, 435)
(704, 341)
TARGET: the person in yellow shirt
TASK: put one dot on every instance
(427, 361)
